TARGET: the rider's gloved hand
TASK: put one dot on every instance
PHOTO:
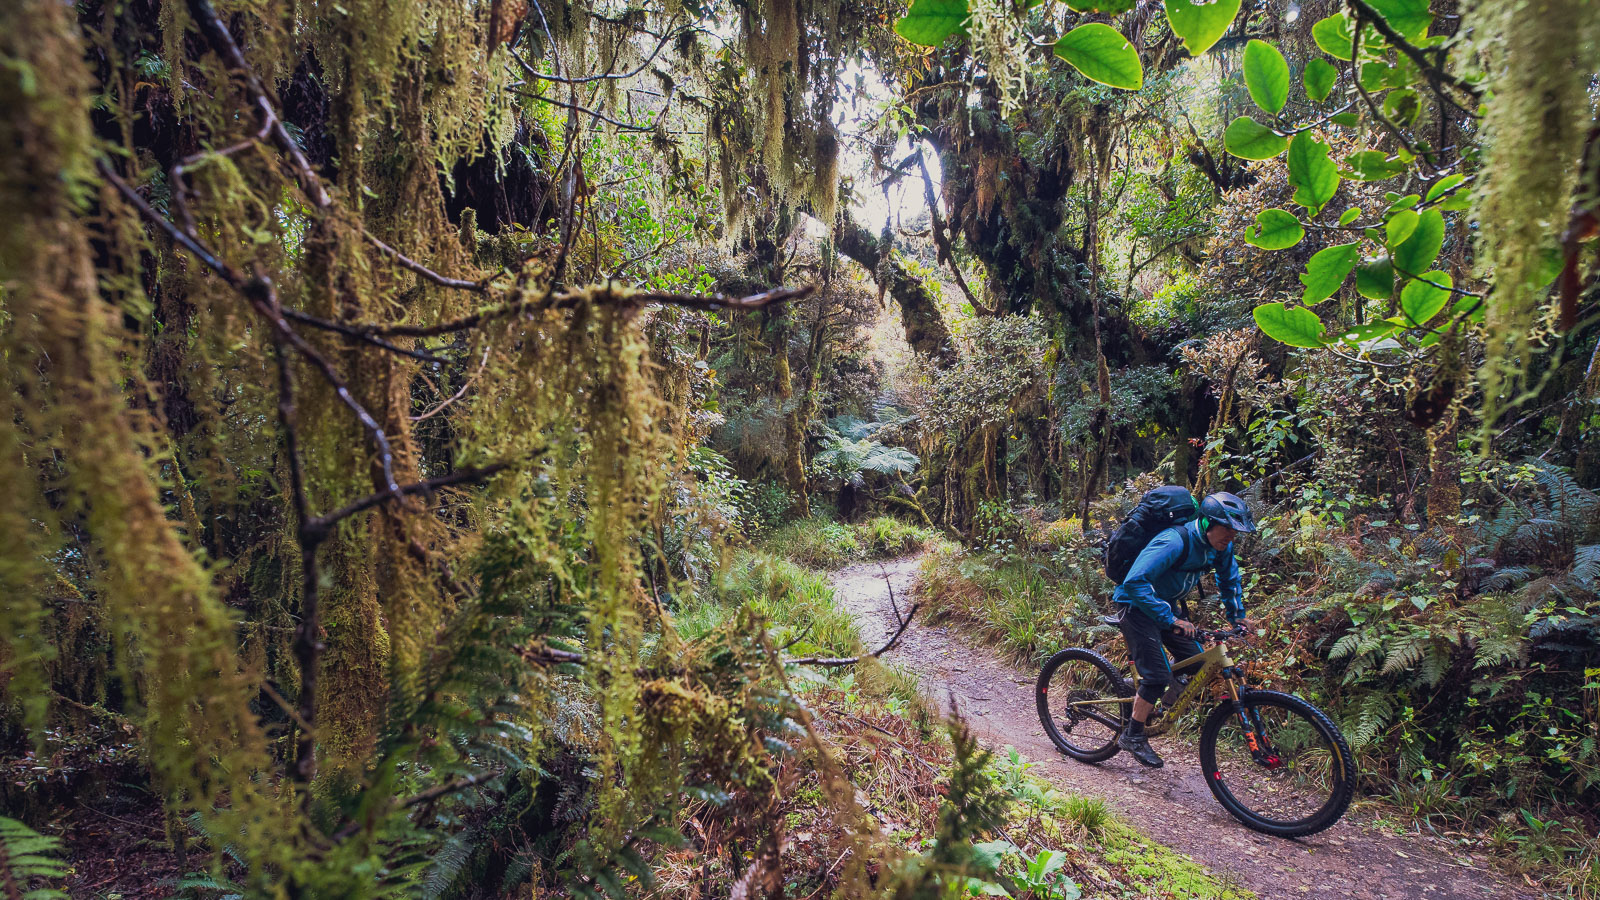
(1185, 626)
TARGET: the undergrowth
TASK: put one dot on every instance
(825, 544)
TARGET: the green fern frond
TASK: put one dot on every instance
(1370, 717)
(1435, 663)
(1345, 645)
(1585, 570)
(1404, 652)
(28, 857)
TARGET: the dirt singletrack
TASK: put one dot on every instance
(1353, 860)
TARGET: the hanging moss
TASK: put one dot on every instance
(1540, 57)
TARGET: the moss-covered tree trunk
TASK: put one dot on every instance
(924, 323)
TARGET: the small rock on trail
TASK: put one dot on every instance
(1353, 860)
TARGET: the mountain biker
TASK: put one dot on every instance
(1165, 571)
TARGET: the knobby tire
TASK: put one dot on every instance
(1340, 766)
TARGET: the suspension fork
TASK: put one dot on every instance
(1255, 734)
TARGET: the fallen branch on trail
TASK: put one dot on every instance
(834, 662)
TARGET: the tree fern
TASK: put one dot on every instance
(26, 858)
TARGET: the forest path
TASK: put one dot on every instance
(1353, 860)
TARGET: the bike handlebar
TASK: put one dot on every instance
(1201, 634)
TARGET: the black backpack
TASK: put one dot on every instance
(1157, 511)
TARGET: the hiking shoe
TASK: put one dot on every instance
(1139, 746)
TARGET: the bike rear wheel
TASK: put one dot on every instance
(1277, 764)
(1084, 731)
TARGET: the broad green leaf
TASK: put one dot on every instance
(1472, 307)
(1371, 165)
(1419, 250)
(1423, 298)
(1349, 215)
(1402, 107)
(1311, 173)
(1399, 227)
(1326, 271)
(1109, 7)
(1248, 139)
(1319, 77)
(1442, 185)
(1347, 119)
(1201, 24)
(1380, 76)
(1297, 327)
(1375, 278)
(1409, 17)
(1397, 202)
(1275, 229)
(1358, 334)
(1266, 75)
(929, 22)
(1102, 54)
(1334, 37)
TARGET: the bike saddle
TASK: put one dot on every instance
(1114, 621)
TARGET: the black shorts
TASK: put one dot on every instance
(1145, 647)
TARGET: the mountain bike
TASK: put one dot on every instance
(1274, 761)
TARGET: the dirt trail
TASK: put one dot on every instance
(1350, 861)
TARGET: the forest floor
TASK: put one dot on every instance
(1360, 858)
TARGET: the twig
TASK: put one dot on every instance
(833, 662)
(1434, 70)
(890, 585)
(323, 524)
(800, 637)
(531, 72)
(443, 404)
(412, 265)
(349, 829)
(1372, 106)
(626, 126)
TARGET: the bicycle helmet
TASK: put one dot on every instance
(1223, 508)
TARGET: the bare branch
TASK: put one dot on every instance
(1372, 106)
(531, 72)
(569, 299)
(357, 334)
(222, 41)
(834, 662)
(262, 297)
(626, 126)
(427, 273)
(324, 523)
(941, 239)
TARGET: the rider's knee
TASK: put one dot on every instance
(1151, 689)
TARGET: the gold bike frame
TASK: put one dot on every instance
(1212, 661)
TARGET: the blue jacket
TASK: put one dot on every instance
(1170, 566)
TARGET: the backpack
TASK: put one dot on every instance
(1157, 511)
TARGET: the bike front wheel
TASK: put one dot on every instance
(1083, 701)
(1277, 764)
